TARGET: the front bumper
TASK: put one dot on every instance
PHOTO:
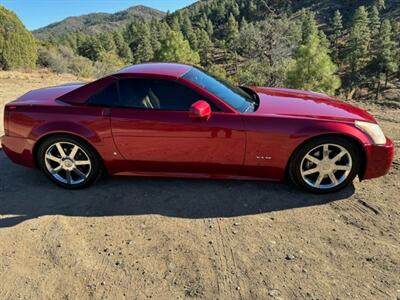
(19, 150)
(379, 159)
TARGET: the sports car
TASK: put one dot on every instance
(175, 120)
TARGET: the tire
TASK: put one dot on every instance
(55, 159)
(323, 158)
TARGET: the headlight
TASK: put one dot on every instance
(373, 131)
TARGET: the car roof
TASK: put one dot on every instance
(164, 69)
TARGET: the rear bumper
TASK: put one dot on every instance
(379, 159)
(19, 150)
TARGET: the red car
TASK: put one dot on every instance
(178, 121)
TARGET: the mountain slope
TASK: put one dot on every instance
(254, 10)
(97, 22)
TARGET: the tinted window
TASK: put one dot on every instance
(234, 96)
(157, 94)
(106, 97)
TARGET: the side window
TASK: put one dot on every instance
(106, 97)
(157, 94)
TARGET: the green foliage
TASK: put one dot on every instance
(218, 71)
(62, 59)
(139, 38)
(90, 48)
(374, 21)
(385, 60)
(309, 26)
(276, 42)
(122, 47)
(17, 45)
(313, 68)
(358, 45)
(337, 32)
(174, 48)
(231, 33)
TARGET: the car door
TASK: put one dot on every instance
(153, 131)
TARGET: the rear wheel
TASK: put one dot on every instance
(69, 162)
(325, 165)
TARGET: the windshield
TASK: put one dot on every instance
(236, 97)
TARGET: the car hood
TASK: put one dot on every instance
(49, 94)
(297, 103)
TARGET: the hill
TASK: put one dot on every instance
(255, 10)
(97, 22)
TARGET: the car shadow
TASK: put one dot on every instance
(26, 194)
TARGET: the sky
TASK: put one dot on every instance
(38, 13)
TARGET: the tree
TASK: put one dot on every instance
(174, 48)
(139, 38)
(231, 33)
(122, 47)
(309, 25)
(380, 4)
(106, 41)
(313, 69)
(374, 21)
(17, 45)
(90, 48)
(385, 61)
(337, 31)
(358, 46)
(204, 46)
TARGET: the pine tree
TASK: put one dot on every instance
(210, 28)
(231, 33)
(309, 25)
(186, 28)
(122, 47)
(358, 46)
(204, 47)
(90, 48)
(176, 49)
(139, 37)
(337, 31)
(374, 21)
(17, 45)
(313, 68)
(385, 61)
(380, 4)
(107, 41)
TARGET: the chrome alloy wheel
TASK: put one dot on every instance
(326, 166)
(68, 163)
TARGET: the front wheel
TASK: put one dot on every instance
(69, 162)
(325, 165)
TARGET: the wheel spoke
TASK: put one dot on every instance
(82, 162)
(55, 170)
(319, 180)
(333, 178)
(339, 156)
(311, 171)
(325, 153)
(53, 158)
(60, 150)
(342, 168)
(73, 152)
(313, 159)
(69, 177)
(80, 173)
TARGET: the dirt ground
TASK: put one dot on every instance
(137, 238)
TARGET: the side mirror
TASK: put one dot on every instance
(200, 110)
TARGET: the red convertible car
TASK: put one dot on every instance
(176, 120)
